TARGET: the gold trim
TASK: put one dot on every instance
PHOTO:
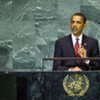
(76, 84)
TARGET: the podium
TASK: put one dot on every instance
(30, 85)
(49, 85)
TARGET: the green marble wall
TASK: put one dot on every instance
(29, 29)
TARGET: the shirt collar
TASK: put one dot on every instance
(74, 39)
(80, 37)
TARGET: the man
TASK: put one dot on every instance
(76, 44)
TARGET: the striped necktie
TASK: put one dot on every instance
(76, 46)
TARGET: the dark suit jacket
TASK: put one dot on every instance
(64, 48)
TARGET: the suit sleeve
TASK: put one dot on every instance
(57, 64)
(95, 64)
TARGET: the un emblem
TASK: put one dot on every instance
(76, 84)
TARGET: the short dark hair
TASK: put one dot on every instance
(79, 14)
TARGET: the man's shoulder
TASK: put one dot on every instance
(90, 38)
(62, 39)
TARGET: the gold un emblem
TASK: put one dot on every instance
(76, 84)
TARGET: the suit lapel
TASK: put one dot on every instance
(70, 46)
(84, 41)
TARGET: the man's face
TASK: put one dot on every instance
(77, 25)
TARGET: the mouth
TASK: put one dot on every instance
(74, 30)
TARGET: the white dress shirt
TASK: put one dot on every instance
(74, 40)
(80, 44)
